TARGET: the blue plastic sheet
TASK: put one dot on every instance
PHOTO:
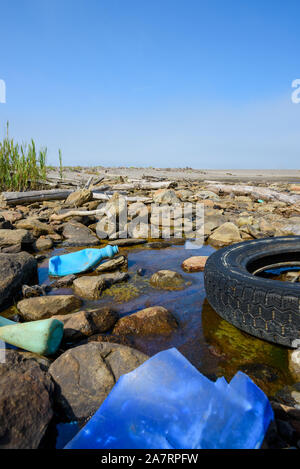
(166, 403)
(80, 261)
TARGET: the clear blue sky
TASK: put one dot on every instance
(200, 83)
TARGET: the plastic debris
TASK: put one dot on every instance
(42, 337)
(260, 201)
(166, 403)
(65, 431)
(81, 261)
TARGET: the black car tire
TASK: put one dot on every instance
(266, 308)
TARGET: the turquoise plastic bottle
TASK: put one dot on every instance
(81, 261)
(42, 337)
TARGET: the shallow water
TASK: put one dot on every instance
(213, 346)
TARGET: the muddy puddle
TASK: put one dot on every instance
(213, 346)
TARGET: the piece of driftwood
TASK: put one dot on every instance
(83, 213)
(144, 185)
(75, 213)
(107, 196)
(19, 198)
(255, 192)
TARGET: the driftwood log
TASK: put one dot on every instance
(255, 192)
(144, 185)
(19, 198)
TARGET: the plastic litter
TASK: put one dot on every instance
(260, 201)
(42, 337)
(166, 403)
(81, 261)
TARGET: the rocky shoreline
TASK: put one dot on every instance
(98, 345)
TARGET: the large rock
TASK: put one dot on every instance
(86, 323)
(208, 195)
(194, 264)
(77, 234)
(85, 375)
(225, 235)
(167, 280)
(37, 227)
(155, 320)
(15, 270)
(25, 401)
(15, 237)
(44, 307)
(165, 196)
(89, 287)
(78, 198)
(11, 215)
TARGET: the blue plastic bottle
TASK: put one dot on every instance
(81, 261)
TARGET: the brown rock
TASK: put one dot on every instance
(37, 227)
(226, 234)
(112, 264)
(194, 264)
(12, 237)
(86, 323)
(76, 234)
(44, 307)
(11, 215)
(85, 375)
(165, 196)
(43, 243)
(25, 401)
(167, 280)
(155, 320)
(89, 287)
(15, 270)
(78, 198)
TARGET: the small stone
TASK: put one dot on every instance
(43, 244)
(155, 320)
(63, 282)
(167, 280)
(194, 264)
(35, 290)
(89, 287)
(112, 264)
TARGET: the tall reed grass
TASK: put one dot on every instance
(21, 166)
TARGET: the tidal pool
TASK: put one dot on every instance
(213, 346)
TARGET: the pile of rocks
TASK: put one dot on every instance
(74, 383)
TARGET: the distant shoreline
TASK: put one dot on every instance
(228, 175)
